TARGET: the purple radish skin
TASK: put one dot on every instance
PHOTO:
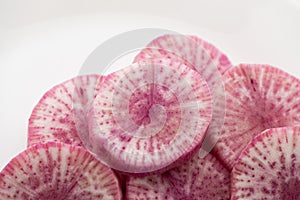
(268, 168)
(57, 171)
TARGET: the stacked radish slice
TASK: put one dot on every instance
(57, 171)
(268, 167)
(55, 165)
(179, 123)
(60, 115)
(258, 97)
(156, 114)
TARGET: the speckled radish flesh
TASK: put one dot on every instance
(258, 97)
(198, 179)
(269, 166)
(57, 171)
(149, 115)
(205, 59)
(60, 114)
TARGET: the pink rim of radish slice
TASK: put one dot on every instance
(269, 167)
(57, 171)
(149, 115)
(258, 97)
(60, 114)
(205, 59)
(199, 178)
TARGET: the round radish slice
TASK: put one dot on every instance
(258, 97)
(197, 53)
(205, 59)
(149, 115)
(219, 58)
(86, 89)
(60, 114)
(57, 171)
(268, 168)
(149, 187)
(197, 179)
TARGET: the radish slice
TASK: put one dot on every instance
(86, 89)
(258, 97)
(268, 168)
(149, 115)
(57, 171)
(60, 115)
(197, 179)
(198, 54)
(220, 59)
(205, 59)
(149, 187)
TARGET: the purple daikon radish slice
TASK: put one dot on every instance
(269, 166)
(83, 97)
(258, 97)
(57, 171)
(148, 187)
(150, 115)
(219, 58)
(205, 59)
(60, 114)
(197, 53)
(197, 179)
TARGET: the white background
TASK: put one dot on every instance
(43, 43)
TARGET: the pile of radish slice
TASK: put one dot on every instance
(181, 122)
